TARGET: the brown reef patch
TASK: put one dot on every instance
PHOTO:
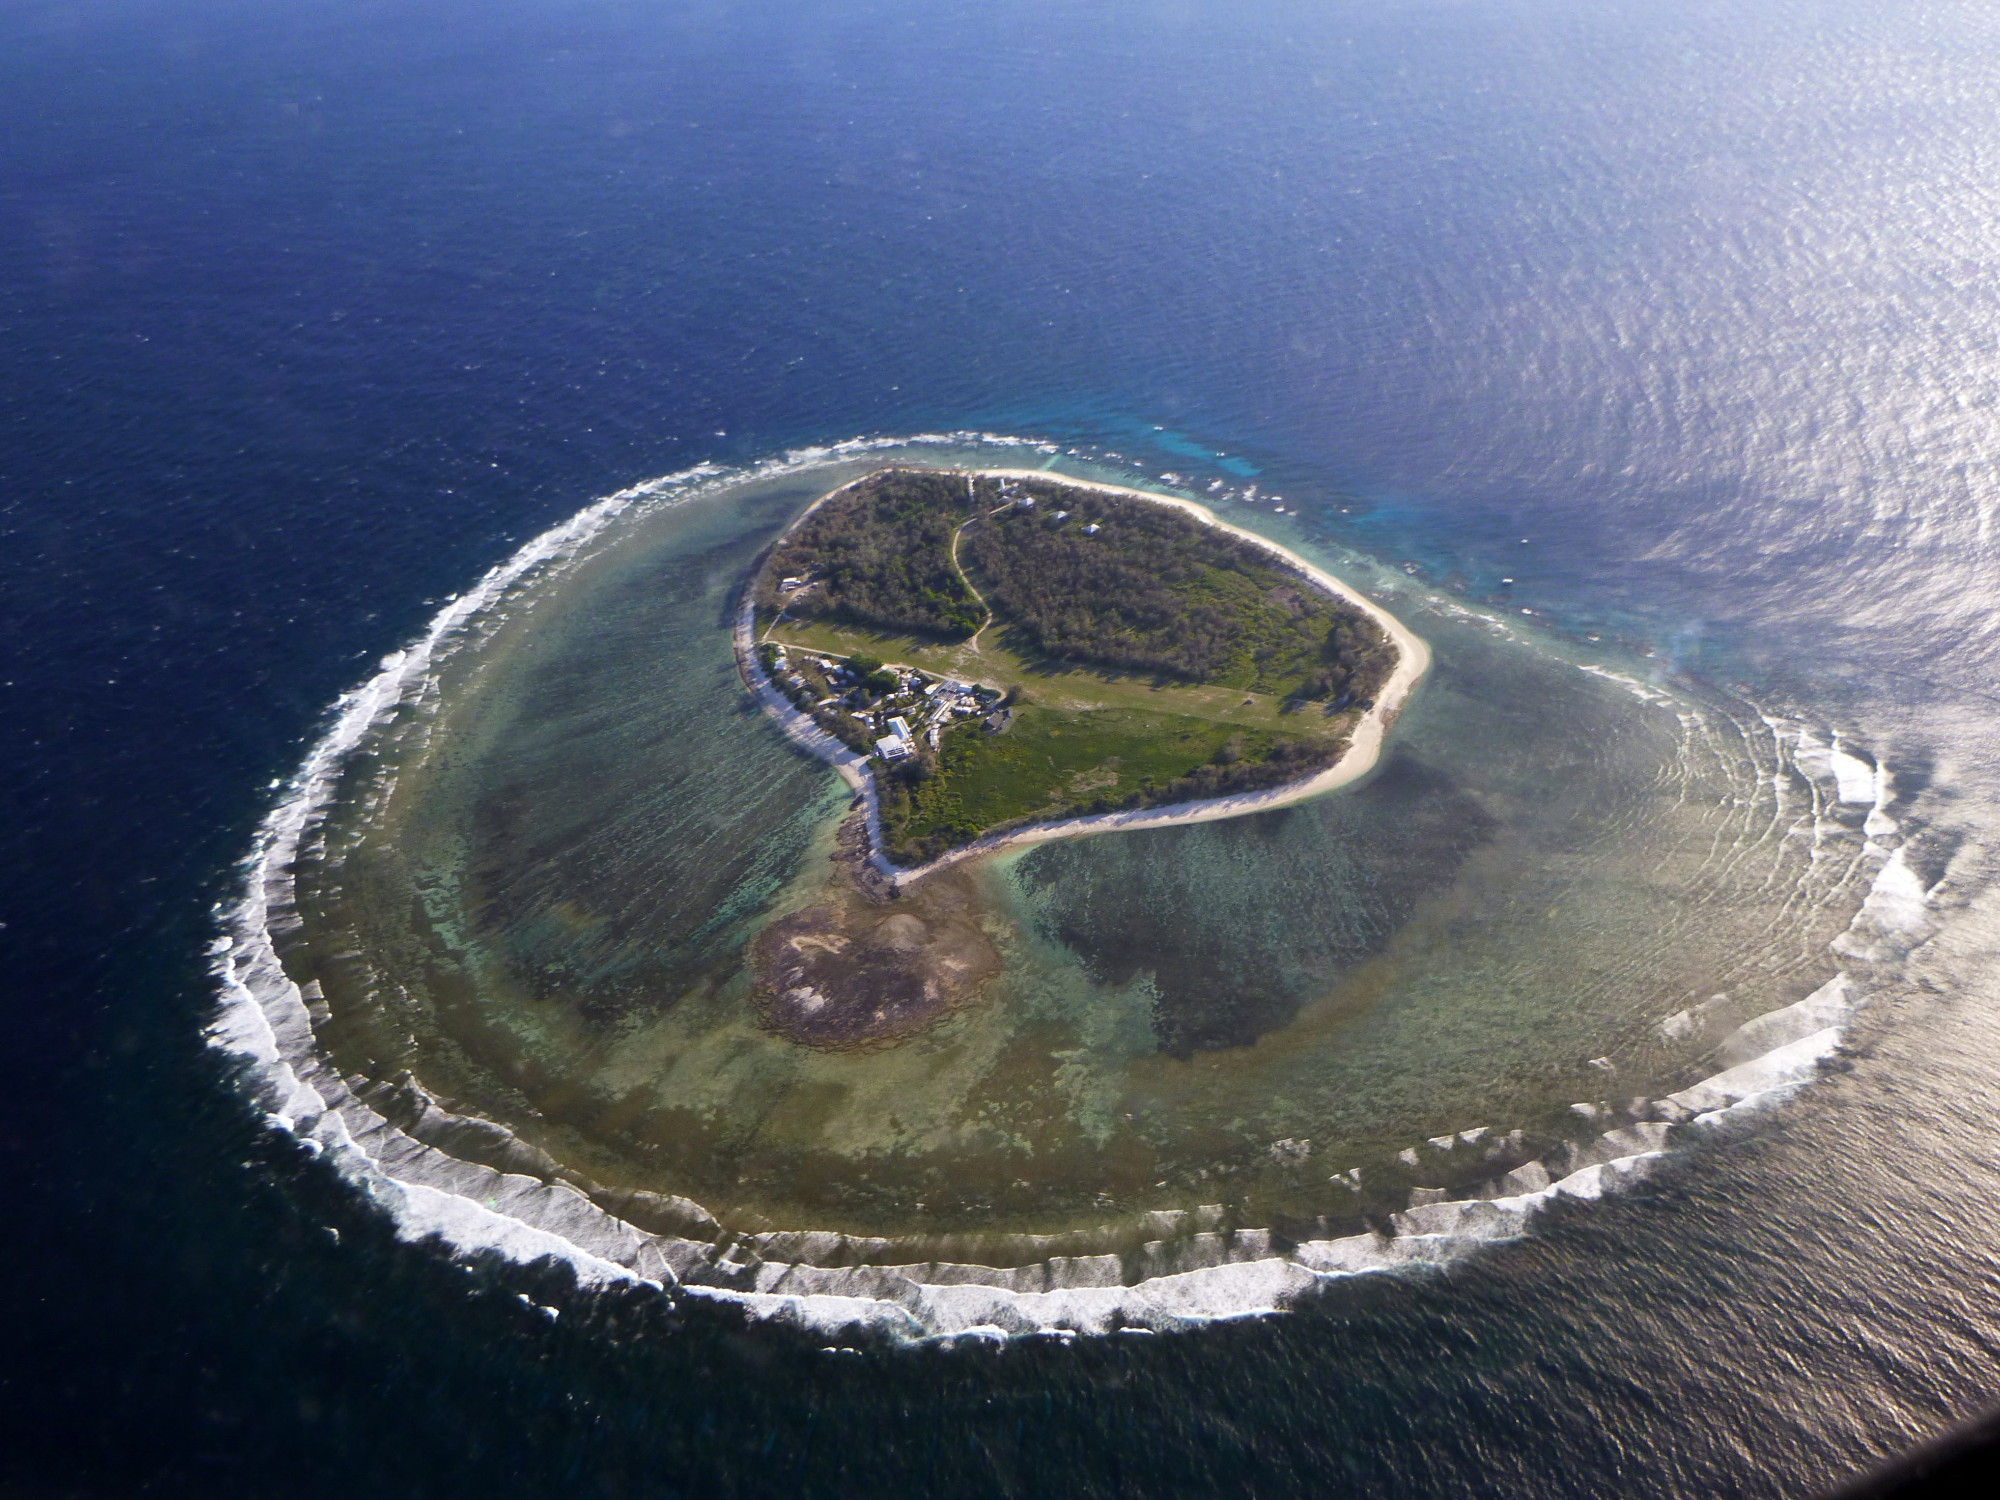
(868, 965)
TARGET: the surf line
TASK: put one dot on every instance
(1364, 745)
(266, 1024)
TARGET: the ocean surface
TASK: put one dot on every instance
(1640, 355)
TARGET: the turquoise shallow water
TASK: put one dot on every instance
(541, 877)
(1676, 320)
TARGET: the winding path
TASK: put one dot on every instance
(1364, 746)
(959, 569)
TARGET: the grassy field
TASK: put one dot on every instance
(1079, 740)
(1055, 763)
(1060, 687)
(1145, 658)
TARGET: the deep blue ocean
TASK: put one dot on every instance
(1681, 316)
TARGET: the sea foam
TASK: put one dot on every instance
(265, 1024)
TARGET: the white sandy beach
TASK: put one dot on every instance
(1364, 747)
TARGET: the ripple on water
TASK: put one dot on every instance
(533, 852)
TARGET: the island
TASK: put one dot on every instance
(998, 656)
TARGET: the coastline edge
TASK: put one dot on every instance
(1364, 745)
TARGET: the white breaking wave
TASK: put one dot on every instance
(1894, 918)
(265, 1022)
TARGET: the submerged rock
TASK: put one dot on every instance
(853, 971)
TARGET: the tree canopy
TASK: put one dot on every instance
(1094, 578)
(880, 555)
(1078, 576)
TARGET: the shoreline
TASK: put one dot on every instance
(1064, 1283)
(1364, 745)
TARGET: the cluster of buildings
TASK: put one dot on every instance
(917, 709)
(1027, 502)
(937, 702)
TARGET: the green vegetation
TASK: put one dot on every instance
(1082, 576)
(1148, 658)
(847, 698)
(872, 674)
(879, 554)
(1053, 763)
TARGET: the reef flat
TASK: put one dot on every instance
(996, 657)
(522, 915)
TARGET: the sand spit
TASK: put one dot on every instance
(1364, 746)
